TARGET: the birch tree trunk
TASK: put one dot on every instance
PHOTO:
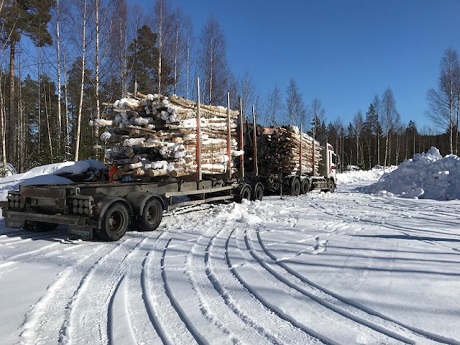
(97, 72)
(2, 124)
(58, 71)
(83, 60)
(12, 108)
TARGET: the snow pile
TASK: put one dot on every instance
(351, 177)
(47, 174)
(427, 175)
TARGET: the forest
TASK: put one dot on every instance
(63, 61)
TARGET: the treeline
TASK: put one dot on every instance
(62, 61)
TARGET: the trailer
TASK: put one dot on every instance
(104, 210)
(138, 192)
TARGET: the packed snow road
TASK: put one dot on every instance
(322, 268)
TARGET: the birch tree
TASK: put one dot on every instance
(444, 102)
(296, 111)
(390, 116)
(213, 66)
(274, 107)
(84, 23)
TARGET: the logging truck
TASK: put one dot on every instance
(302, 164)
(207, 157)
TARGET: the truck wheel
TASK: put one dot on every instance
(243, 193)
(151, 215)
(295, 186)
(115, 222)
(258, 192)
(331, 185)
(34, 226)
(305, 186)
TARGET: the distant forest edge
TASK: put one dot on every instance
(63, 60)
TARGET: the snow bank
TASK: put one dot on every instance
(351, 177)
(47, 174)
(427, 175)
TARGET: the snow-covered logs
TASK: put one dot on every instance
(151, 136)
(282, 145)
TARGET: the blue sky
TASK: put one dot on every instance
(341, 52)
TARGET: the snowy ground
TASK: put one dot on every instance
(342, 268)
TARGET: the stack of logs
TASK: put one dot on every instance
(149, 135)
(282, 145)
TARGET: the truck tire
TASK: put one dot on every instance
(115, 222)
(243, 193)
(295, 186)
(151, 215)
(34, 226)
(332, 185)
(305, 186)
(258, 192)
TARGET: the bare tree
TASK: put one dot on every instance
(163, 24)
(377, 128)
(443, 102)
(296, 111)
(84, 14)
(247, 93)
(390, 116)
(274, 107)
(213, 65)
(358, 122)
(318, 113)
(188, 44)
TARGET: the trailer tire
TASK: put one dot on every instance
(151, 215)
(295, 186)
(243, 193)
(115, 222)
(34, 226)
(305, 186)
(258, 192)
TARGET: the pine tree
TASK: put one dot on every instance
(21, 18)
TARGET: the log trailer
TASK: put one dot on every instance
(106, 210)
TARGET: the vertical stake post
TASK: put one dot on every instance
(198, 132)
(229, 140)
(300, 152)
(254, 141)
(241, 140)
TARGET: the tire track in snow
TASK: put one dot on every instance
(236, 261)
(415, 232)
(366, 313)
(129, 320)
(45, 318)
(91, 312)
(241, 301)
(345, 310)
(162, 314)
(215, 303)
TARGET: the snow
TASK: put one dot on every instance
(376, 262)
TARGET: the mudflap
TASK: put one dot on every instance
(81, 232)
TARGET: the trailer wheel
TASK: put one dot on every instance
(151, 215)
(295, 186)
(115, 222)
(258, 192)
(34, 226)
(243, 193)
(305, 186)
